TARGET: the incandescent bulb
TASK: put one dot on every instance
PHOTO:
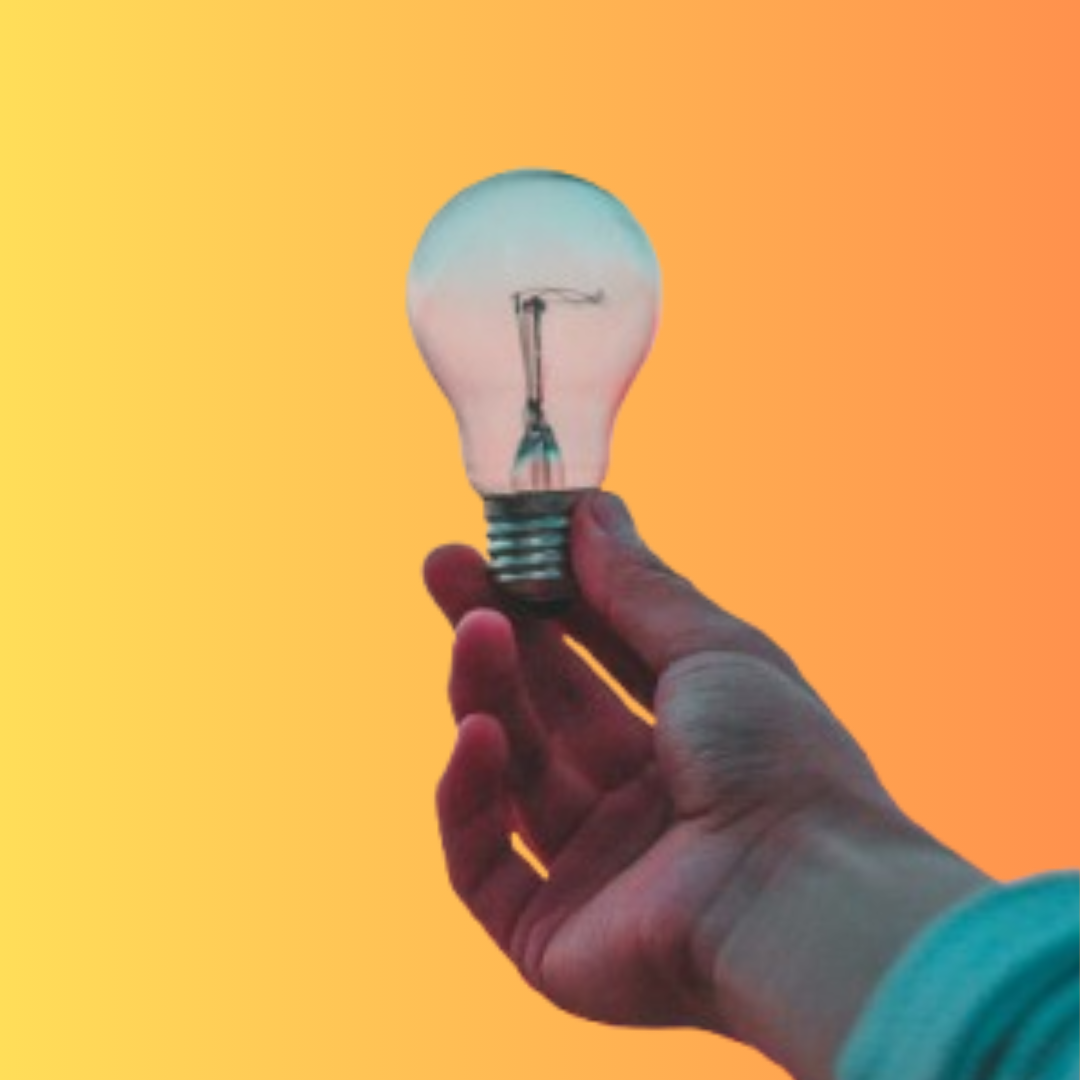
(533, 297)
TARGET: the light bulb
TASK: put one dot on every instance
(534, 297)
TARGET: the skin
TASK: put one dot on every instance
(736, 867)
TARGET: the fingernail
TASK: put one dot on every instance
(610, 513)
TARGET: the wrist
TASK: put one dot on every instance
(821, 906)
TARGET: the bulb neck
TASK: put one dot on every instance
(529, 548)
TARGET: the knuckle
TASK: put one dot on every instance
(641, 573)
(745, 638)
(719, 668)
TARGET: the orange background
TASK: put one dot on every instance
(222, 706)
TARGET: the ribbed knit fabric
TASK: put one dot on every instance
(988, 991)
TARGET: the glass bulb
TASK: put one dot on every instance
(533, 297)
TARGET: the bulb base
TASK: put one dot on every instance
(529, 548)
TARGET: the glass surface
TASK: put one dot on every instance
(534, 298)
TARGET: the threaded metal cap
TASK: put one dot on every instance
(529, 548)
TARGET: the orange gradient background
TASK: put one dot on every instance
(222, 701)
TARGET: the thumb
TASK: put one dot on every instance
(657, 613)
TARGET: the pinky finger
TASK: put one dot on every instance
(496, 884)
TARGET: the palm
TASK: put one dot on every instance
(615, 956)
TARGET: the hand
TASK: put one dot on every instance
(663, 844)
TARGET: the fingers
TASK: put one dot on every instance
(485, 677)
(618, 832)
(588, 628)
(457, 578)
(517, 907)
(550, 796)
(495, 883)
(580, 715)
(637, 615)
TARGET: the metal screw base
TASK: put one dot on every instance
(529, 548)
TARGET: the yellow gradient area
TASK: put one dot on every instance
(222, 687)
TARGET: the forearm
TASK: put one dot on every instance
(835, 901)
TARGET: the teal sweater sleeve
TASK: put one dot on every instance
(988, 991)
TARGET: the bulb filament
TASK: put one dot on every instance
(538, 464)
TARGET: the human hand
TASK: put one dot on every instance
(674, 852)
